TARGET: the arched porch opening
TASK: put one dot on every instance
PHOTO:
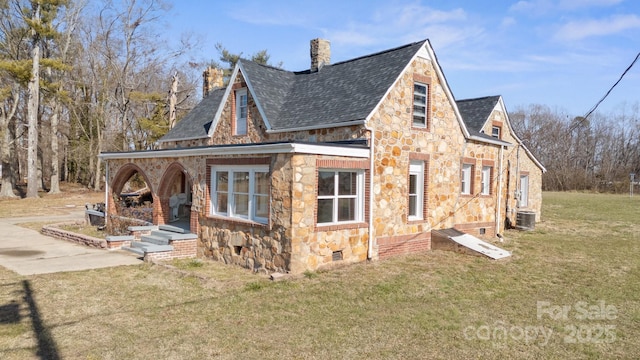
(175, 196)
(131, 200)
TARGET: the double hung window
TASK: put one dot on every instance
(486, 180)
(467, 178)
(416, 190)
(340, 196)
(241, 112)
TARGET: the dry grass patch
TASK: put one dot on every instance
(72, 198)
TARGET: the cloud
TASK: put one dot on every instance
(508, 22)
(578, 4)
(538, 7)
(579, 30)
(408, 22)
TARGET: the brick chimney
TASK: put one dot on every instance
(211, 78)
(320, 54)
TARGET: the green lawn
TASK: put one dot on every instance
(571, 290)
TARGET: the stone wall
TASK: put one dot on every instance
(440, 145)
(516, 161)
(315, 246)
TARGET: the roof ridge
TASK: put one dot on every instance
(479, 98)
(379, 53)
(264, 65)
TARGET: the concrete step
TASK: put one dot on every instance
(150, 247)
(172, 235)
(154, 239)
(172, 228)
(134, 250)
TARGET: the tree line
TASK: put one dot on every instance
(597, 153)
(78, 78)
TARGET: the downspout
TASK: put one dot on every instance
(106, 191)
(498, 208)
(519, 194)
(372, 140)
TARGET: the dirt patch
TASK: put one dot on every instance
(21, 253)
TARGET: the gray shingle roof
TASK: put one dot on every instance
(338, 93)
(475, 112)
(197, 122)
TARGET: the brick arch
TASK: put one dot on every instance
(122, 176)
(168, 178)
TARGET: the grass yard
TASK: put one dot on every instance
(570, 291)
(72, 198)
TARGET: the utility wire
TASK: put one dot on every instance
(605, 95)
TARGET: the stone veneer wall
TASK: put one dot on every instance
(516, 162)
(441, 144)
(249, 244)
(476, 213)
(313, 245)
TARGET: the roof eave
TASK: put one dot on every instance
(318, 127)
(278, 148)
(490, 141)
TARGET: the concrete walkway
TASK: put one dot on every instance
(27, 252)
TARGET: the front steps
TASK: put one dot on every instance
(161, 242)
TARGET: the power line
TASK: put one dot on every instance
(605, 95)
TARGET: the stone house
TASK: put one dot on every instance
(361, 159)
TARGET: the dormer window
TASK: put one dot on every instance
(241, 112)
(420, 104)
(495, 131)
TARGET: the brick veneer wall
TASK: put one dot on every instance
(53, 231)
(404, 244)
(182, 249)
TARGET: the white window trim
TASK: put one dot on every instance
(486, 180)
(252, 170)
(239, 120)
(426, 106)
(524, 191)
(416, 168)
(359, 210)
(465, 178)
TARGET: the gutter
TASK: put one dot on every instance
(498, 207)
(489, 141)
(277, 148)
(106, 191)
(318, 127)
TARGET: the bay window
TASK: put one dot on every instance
(240, 192)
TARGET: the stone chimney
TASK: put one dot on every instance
(211, 78)
(320, 54)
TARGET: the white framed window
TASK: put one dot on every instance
(495, 131)
(340, 196)
(524, 190)
(486, 180)
(241, 112)
(240, 192)
(420, 104)
(466, 179)
(416, 190)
